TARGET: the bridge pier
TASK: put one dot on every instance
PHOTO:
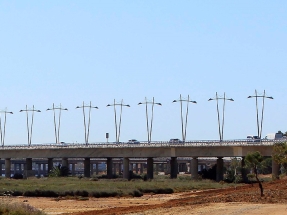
(92, 169)
(150, 168)
(219, 169)
(39, 170)
(65, 162)
(50, 165)
(173, 167)
(126, 171)
(243, 170)
(97, 168)
(194, 168)
(109, 167)
(275, 169)
(87, 166)
(7, 167)
(0, 169)
(73, 169)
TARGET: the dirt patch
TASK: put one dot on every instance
(240, 200)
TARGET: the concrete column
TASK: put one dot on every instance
(7, 167)
(87, 165)
(150, 168)
(157, 167)
(39, 169)
(44, 169)
(50, 164)
(109, 167)
(92, 169)
(28, 164)
(162, 167)
(0, 169)
(243, 170)
(114, 168)
(173, 167)
(15, 168)
(141, 168)
(126, 172)
(137, 168)
(65, 162)
(219, 169)
(120, 168)
(73, 169)
(194, 168)
(275, 169)
(97, 168)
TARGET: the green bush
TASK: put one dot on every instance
(18, 209)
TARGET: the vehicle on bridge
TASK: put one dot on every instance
(133, 141)
(274, 136)
(175, 141)
(252, 138)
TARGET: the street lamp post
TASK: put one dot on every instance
(220, 128)
(87, 130)
(118, 127)
(149, 128)
(184, 125)
(57, 128)
(4, 126)
(30, 128)
(256, 96)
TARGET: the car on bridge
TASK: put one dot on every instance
(175, 141)
(133, 141)
(252, 138)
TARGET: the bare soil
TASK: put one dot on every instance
(241, 200)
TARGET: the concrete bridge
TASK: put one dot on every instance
(144, 150)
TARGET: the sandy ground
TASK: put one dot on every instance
(241, 200)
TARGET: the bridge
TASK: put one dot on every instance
(148, 151)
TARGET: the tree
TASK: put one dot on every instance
(254, 161)
(279, 154)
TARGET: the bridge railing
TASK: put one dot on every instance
(192, 143)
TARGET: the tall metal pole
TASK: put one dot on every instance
(118, 127)
(3, 132)
(30, 130)
(87, 127)
(184, 124)
(57, 128)
(149, 124)
(259, 127)
(220, 125)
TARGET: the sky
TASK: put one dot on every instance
(70, 52)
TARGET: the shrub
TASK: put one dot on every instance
(18, 176)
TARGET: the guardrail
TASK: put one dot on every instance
(193, 143)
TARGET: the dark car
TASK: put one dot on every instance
(133, 141)
(251, 138)
(175, 141)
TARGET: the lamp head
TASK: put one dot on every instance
(128, 105)
(174, 101)
(210, 99)
(140, 103)
(270, 97)
(159, 104)
(231, 100)
(249, 97)
(38, 111)
(194, 102)
(78, 107)
(108, 105)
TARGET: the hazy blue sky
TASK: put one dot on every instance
(73, 51)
